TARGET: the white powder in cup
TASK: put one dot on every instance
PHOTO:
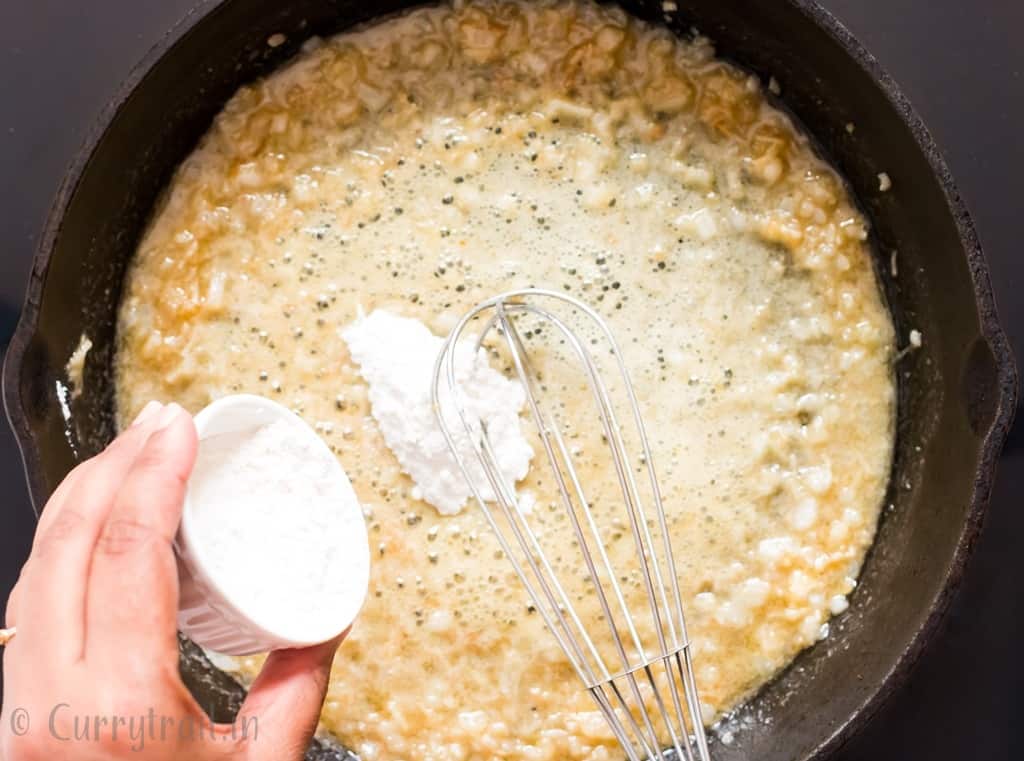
(276, 526)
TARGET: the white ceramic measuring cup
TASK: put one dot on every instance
(207, 613)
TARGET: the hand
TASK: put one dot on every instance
(92, 672)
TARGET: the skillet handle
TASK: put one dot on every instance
(989, 390)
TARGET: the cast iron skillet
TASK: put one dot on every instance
(956, 395)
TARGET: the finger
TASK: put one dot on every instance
(51, 597)
(285, 700)
(11, 612)
(120, 446)
(132, 598)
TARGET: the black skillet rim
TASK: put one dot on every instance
(991, 329)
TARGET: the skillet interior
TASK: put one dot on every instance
(955, 395)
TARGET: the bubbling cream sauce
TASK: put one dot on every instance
(432, 160)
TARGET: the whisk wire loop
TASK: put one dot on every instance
(617, 691)
(624, 474)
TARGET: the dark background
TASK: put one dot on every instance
(961, 65)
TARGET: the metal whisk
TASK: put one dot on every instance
(633, 659)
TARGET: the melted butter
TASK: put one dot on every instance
(433, 160)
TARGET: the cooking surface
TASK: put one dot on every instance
(964, 683)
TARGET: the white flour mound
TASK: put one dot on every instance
(396, 357)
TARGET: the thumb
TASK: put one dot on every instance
(286, 699)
